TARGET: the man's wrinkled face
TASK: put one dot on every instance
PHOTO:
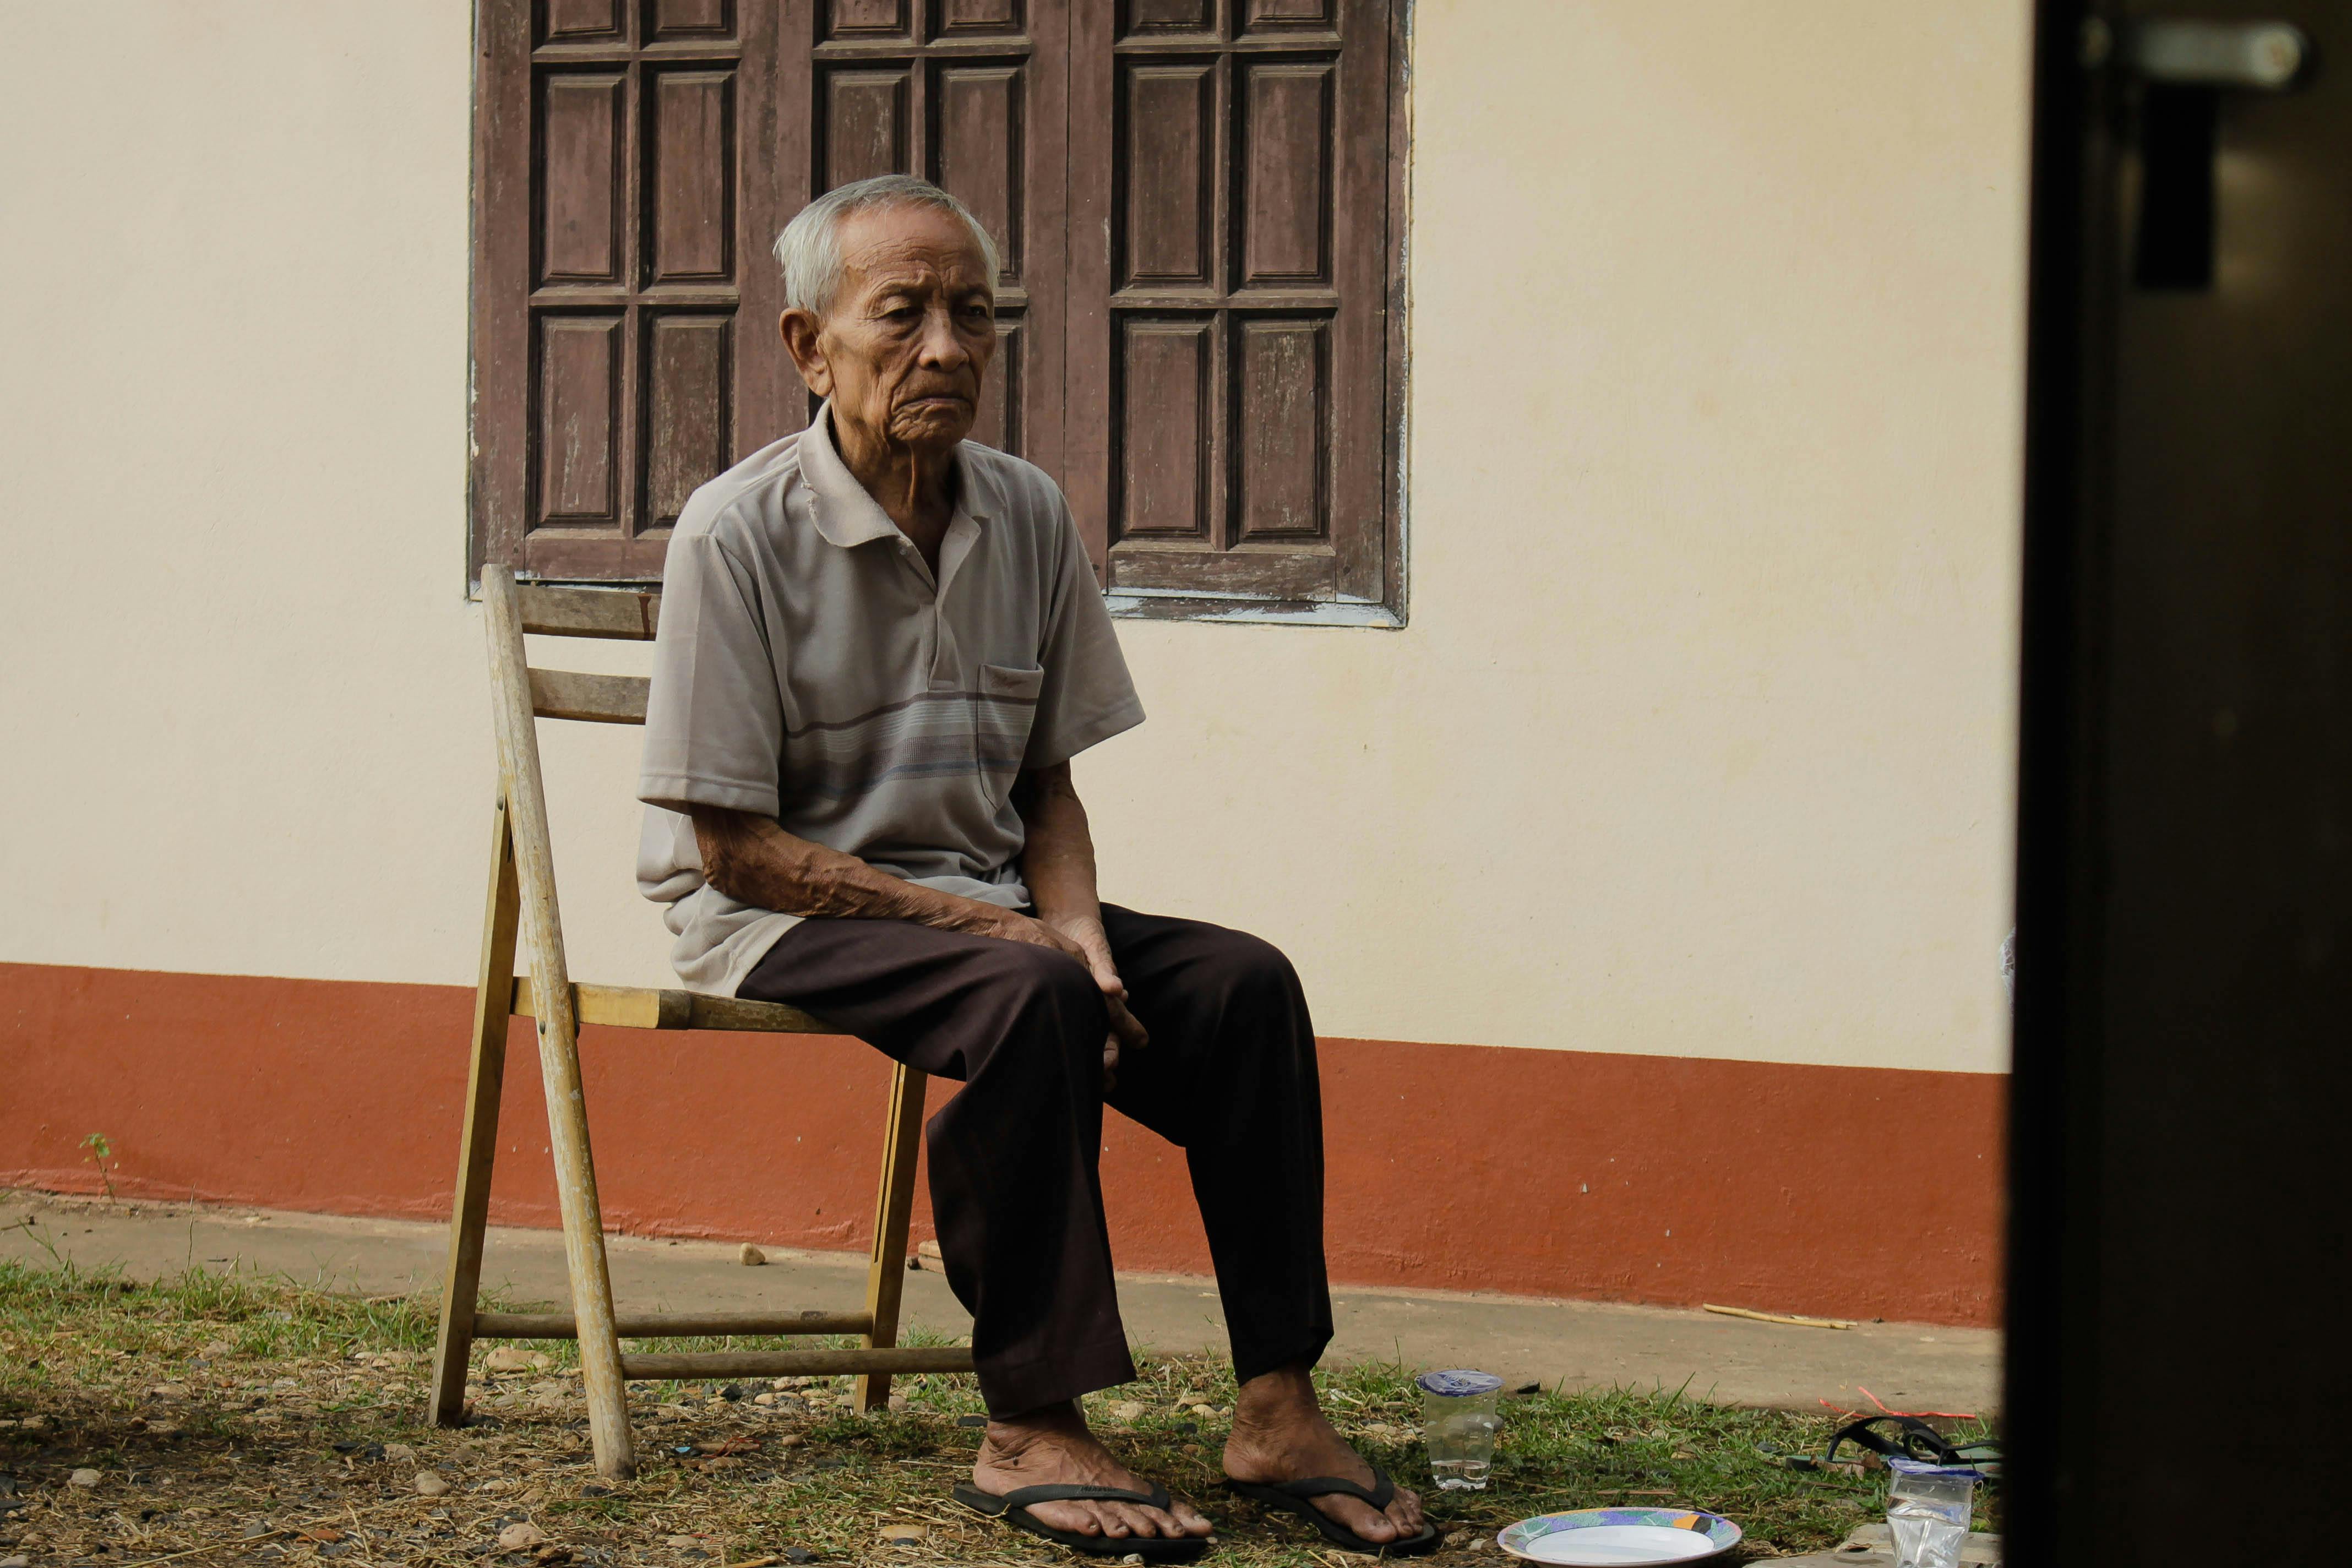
(902, 352)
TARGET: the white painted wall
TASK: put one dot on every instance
(1698, 742)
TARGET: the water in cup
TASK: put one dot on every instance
(1460, 1414)
(1928, 1507)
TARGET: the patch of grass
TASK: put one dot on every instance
(255, 1420)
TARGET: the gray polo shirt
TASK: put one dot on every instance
(809, 669)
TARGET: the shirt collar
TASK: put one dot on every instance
(847, 516)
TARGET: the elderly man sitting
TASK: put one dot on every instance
(880, 648)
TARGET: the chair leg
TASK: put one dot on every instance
(584, 1251)
(478, 1143)
(886, 1279)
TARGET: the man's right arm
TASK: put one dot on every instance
(751, 860)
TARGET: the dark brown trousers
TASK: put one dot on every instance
(1016, 1189)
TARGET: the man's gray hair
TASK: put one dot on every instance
(809, 250)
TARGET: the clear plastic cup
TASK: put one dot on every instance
(1928, 1507)
(1461, 1411)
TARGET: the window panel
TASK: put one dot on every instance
(579, 422)
(1281, 436)
(846, 20)
(690, 183)
(677, 21)
(864, 126)
(582, 22)
(962, 18)
(580, 198)
(686, 399)
(1165, 429)
(1286, 162)
(1166, 152)
(978, 151)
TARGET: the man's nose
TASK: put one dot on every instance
(941, 348)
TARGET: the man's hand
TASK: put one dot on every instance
(1083, 938)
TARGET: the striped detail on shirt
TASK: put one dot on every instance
(933, 736)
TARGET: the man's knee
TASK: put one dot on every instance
(1250, 966)
(1043, 991)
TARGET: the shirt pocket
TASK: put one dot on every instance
(1002, 712)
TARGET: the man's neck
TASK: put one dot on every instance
(914, 487)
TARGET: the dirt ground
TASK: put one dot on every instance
(228, 1418)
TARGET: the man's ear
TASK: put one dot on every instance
(804, 342)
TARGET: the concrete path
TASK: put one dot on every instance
(1574, 1343)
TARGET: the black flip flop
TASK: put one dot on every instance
(1912, 1439)
(1012, 1508)
(1298, 1497)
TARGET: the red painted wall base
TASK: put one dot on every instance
(1858, 1191)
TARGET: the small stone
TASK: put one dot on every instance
(84, 1479)
(1458, 1538)
(1127, 1410)
(170, 1391)
(903, 1534)
(763, 1399)
(750, 1257)
(899, 1402)
(792, 1554)
(256, 1527)
(18, 1560)
(522, 1537)
(1135, 1557)
(679, 1542)
(730, 1393)
(430, 1484)
(1481, 1544)
(790, 1441)
(508, 1358)
(399, 1454)
(672, 1412)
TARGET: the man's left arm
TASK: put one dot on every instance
(1058, 863)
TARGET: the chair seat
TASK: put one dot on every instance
(645, 1007)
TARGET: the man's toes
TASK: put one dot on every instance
(1066, 1516)
(1190, 1521)
(1366, 1522)
(1159, 1522)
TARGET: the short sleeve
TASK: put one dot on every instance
(714, 717)
(1086, 696)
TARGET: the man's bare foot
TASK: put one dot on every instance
(1053, 1448)
(1280, 1434)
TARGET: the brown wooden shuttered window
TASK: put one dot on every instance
(1199, 206)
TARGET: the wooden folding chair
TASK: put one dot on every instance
(522, 895)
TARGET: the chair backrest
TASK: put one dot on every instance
(626, 615)
(520, 694)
